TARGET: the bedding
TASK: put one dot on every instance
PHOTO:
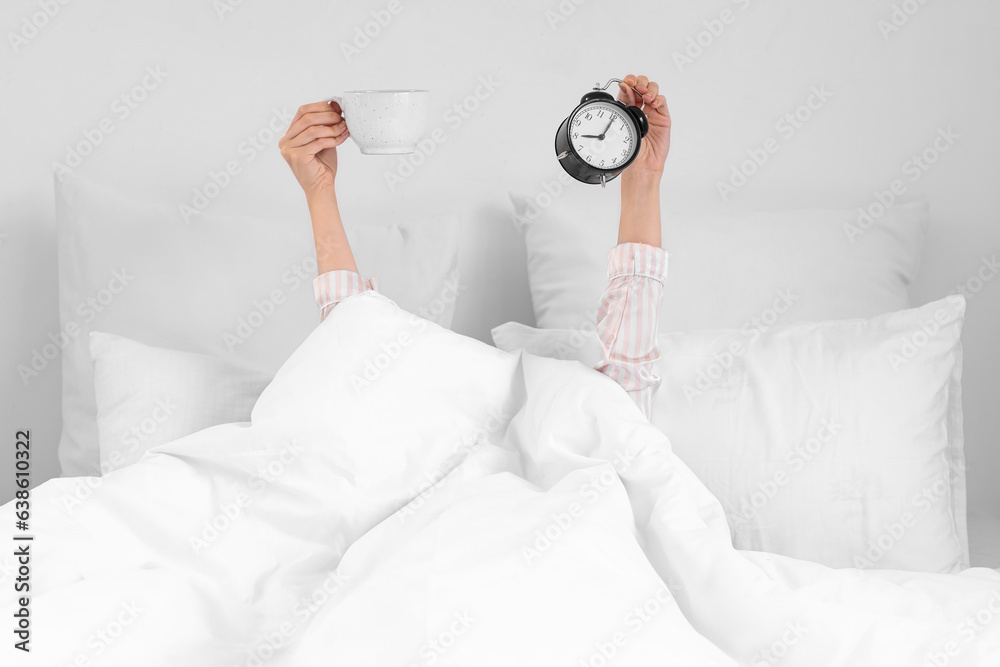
(826, 264)
(404, 495)
(147, 395)
(238, 287)
(838, 442)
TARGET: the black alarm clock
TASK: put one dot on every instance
(601, 137)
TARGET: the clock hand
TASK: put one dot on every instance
(599, 137)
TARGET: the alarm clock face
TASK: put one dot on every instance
(603, 135)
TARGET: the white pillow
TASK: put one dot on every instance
(231, 286)
(837, 442)
(147, 396)
(724, 269)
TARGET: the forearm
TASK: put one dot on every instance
(640, 212)
(333, 251)
(629, 311)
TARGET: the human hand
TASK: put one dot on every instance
(656, 144)
(310, 146)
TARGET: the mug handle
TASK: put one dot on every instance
(340, 103)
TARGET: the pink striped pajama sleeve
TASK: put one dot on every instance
(628, 317)
(333, 287)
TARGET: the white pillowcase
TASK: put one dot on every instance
(837, 442)
(232, 286)
(147, 396)
(725, 270)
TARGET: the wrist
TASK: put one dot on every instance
(643, 177)
(321, 198)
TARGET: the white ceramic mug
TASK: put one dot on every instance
(385, 122)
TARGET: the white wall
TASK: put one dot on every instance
(225, 75)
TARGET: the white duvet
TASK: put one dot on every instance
(406, 497)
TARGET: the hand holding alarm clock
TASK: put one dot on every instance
(603, 136)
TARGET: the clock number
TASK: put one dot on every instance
(623, 127)
(602, 164)
(576, 135)
(600, 114)
(588, 116)
(625, 152)
(580, 147)
(577, 121)
(589, 158)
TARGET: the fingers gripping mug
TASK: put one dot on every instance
(385, 122)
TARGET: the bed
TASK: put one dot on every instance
(465, 505)
(307, 495)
